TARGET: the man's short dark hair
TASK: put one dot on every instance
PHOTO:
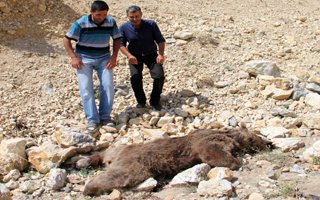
(133, 9)
(99, 5)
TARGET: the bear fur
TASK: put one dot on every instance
(129, 165)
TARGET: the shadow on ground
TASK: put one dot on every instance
(32, 34)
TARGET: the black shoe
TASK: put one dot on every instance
(156, 106)
(92, 127)
(140, 105)
(108, 122)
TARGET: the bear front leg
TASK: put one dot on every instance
(215, 155)
(92, 160)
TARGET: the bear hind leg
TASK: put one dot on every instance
(114, 179)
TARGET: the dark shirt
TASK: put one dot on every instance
(141, 41)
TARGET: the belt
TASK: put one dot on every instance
(144, 54)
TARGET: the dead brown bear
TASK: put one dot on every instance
(127, 166)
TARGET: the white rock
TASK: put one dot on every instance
(67, 137)
(170, 40)
(115, 195)
(264, 184)
(184, 35)
(256, 196)
(154, 133)
(191, 175)
(12, 155)
(312, 154)
(57, 179)
(12, 175)
(4, 192)
(165, 120)
(297, 169)
(29, 186)
(154, 120)
(313, 99)
(219, 173)
(264, 67)
(12, 185)
(147, 185)
(274, 132)
(215, 188)
(312, 120)
(288, 144)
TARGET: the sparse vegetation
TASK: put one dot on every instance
(275, 156)
(84, 172)
(286, 106)
(285, 189)
(194, 63)
(316, 160)
(29, 172)
(288, 188)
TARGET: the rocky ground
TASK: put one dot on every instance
(254, 61)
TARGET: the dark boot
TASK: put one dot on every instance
(156, 92)
(157, 73)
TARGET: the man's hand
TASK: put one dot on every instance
(76, 62)
(112, 63)
(132, 60)
(160, 59)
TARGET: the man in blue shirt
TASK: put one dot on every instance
(141, 40)
(92, 34)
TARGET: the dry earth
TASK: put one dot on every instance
(38, 89)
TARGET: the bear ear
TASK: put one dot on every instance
(243, 126)
(256, 132)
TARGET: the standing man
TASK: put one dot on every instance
(92, 35)
(144, 38)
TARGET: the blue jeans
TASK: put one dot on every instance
(86, 88)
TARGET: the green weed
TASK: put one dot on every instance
(286, 106)
(194, 63)
(85, 172)
(316, 160)
(288, 188)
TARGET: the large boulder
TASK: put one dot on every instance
(12, 155)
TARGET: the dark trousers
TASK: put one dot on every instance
(157, 74)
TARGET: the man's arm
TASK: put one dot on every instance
(75, 61)
(160, 58)
(115, 50)
(132, 60)
(68, 46)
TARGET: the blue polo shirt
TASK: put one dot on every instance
(141, 41)
(92, 39)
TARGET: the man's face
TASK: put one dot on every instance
(135, 18)
(99, 16)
